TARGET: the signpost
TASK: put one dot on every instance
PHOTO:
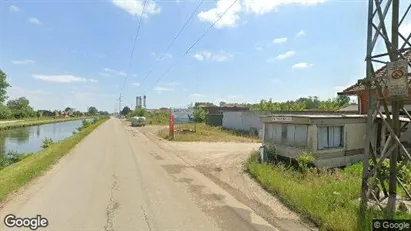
(171, 126)
(397, 75)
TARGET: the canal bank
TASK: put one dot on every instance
(28, 123)
(17, 175)
(29, 139)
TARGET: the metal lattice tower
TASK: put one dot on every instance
(384, 21)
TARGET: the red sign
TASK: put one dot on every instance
(397, 74)
(171, 125)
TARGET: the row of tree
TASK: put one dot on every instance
(301, 104)
(20, 108)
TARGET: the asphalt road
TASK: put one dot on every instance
(114, 181)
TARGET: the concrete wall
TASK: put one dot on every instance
(243, 120)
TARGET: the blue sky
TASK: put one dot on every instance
(76, 53)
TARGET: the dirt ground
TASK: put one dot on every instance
(223, 163)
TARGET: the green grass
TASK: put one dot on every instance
(329, 199)
(17, 175)
(32, 122)
(207, 134)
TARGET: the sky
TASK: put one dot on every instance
(71, 53)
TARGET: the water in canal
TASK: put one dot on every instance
(30, 139)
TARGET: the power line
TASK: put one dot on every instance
(134, 44)
(174, 39)
(198, 40)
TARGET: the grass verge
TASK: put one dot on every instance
(17, 175)
(328, 198)
(206, 133)
(32, 122)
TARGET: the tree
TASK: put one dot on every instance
(139, 112)
(92, 111)
(222, 103)
(3, 86)
(20, 108)
(68, 109)
(5, 113)
(200, 115)
(343, 100)
(126, 110)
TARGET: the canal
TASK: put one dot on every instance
(30, 139)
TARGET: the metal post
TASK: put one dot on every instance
(368, 134)
(395, 115)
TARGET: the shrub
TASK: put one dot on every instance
(47, 142)
(200, 115)
(271, 154)
(305, 161)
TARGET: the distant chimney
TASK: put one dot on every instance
(144, 101)
(136, 101)
(139, 102)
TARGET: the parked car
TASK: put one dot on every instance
(138, 121)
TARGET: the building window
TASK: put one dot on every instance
(330, 137)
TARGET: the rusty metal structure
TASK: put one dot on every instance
(386, 86)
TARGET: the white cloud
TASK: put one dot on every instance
(258, 7)
(62, 78)
(302, 65)
(234, 96)
(265, 6)
(196, 95)
(159, 89)
(276, 81)
(136, 84)
(300, 34)
(158, 56)
(34, 21)
(230, 19)
(22, 62)
(135, 7)
(280, 40)
(14, 8)
(285, 55)
(113, 72)
(173, 84)
(208, 55)
(104, 74)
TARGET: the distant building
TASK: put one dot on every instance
(215, 110)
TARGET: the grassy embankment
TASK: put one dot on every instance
(33, 165)
(328, 198)
(32, 122)
(207, 134)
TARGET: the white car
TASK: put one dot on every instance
(138, 121)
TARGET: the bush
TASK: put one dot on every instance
(47, 142)
(10, 158)
(271, 154)
(305, 161)
(200, 115)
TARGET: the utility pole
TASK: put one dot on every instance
(384, 86)
(119, 104)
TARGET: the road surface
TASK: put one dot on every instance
(114, 181)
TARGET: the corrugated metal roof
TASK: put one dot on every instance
(380, 73)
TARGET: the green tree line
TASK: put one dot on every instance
(20, 108)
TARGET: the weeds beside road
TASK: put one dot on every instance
(328, 198)
(17, 175)
(205, 133)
